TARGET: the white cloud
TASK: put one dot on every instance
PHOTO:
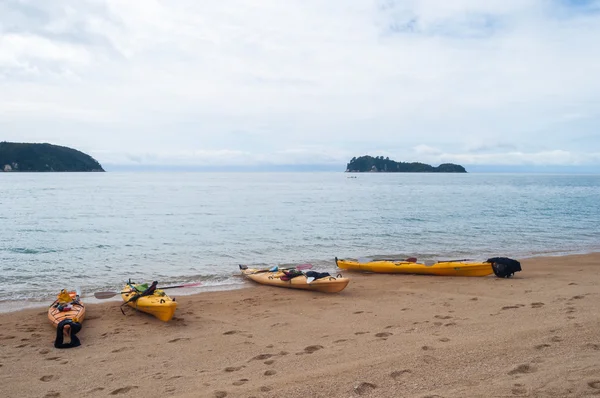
(237, 82)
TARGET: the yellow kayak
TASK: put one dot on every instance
(443, 268)
(157, 304)
(281, 278)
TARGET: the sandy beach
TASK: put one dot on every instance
(537, 334)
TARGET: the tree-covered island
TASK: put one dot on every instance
(27, 157)
(385, 165)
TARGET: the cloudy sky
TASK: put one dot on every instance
(232, 82)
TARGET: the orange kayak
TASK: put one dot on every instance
(328, 284)
(66, 306)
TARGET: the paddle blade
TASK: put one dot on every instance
(105, 295)
(310, 279)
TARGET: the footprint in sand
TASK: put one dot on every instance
(52, 394)
(340, 341)
(120, 349)
(364, 388)
(220, 394)
(261, 357)
(240, 382)
(179, 339)
(556, 339)
(123, 390)
(442, 316)
(312, 348)
(269, 362)
(428, 359)
(594, 384)
(525, 368)
(595, 347)
(265, 389)
(510, 307)
(444, 339)
(47, 378)
(397, 374)
(383, 334)
(537, 305)
(270, 372)
(541, 346)
(519, 389)
(358, 312)
(231, 332)
(44, 351)
(358, 333)
(577, 297)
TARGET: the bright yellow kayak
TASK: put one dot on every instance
(443, 268)
(326, 284)
(157, 304)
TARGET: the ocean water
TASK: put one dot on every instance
(96, 230)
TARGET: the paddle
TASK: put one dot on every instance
(106, 295)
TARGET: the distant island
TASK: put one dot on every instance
(385, 165)
(26, 157)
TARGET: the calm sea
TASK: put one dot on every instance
(96, 230)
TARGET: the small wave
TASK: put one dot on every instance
(24, 250)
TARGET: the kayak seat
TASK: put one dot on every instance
(429, 263)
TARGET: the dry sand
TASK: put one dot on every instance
(537, 334)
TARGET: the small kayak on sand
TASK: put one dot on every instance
(150, 300)
(296, 279)
(66, 314)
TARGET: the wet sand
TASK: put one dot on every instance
(537, 334)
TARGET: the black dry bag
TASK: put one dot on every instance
(504, 267)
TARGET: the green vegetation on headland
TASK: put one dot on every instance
(44, 157)
(385, 165)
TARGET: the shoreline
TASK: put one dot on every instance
(536, 334)
(9, 306)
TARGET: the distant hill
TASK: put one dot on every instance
(44, 157)
(380, 164)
